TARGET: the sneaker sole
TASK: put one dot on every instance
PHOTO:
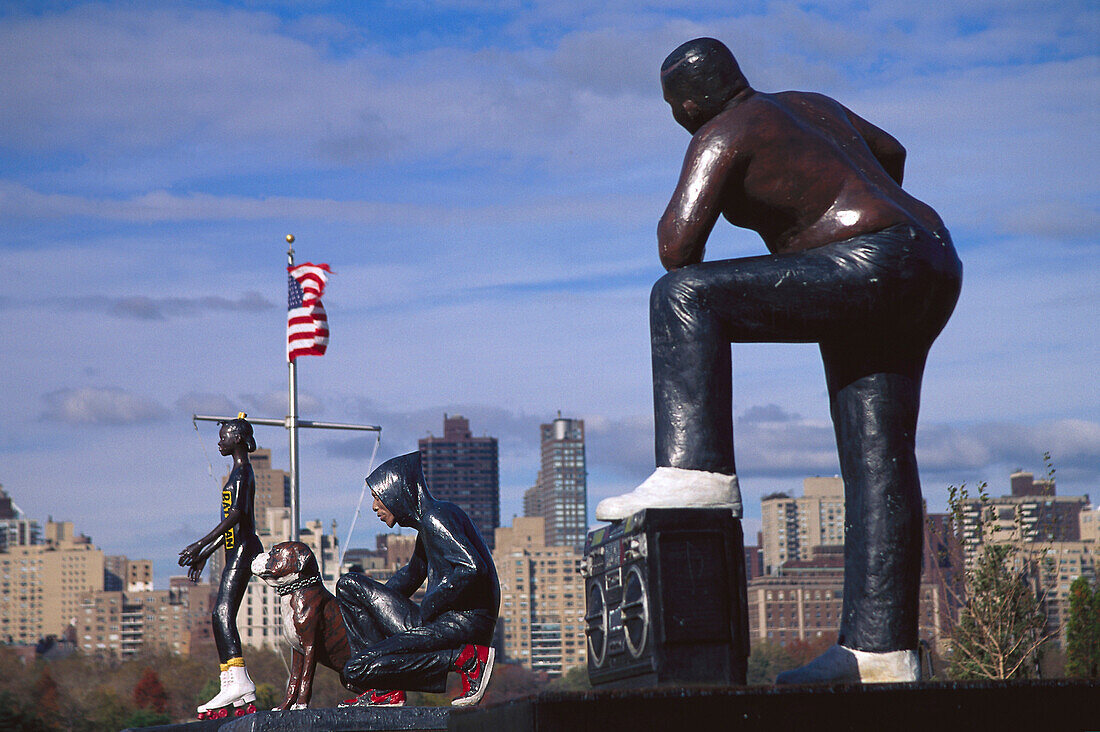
(469, 701)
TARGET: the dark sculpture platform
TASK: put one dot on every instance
(968, 705)
(379, 719)
(1019, 705)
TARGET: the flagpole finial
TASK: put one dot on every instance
(290, 238)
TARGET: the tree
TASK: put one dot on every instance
(767, 660)
(146, 718)
(16, 714)
(1083, 631)
(804, 651)
(105, 710)
(575, 679)
(1001, 625)
(149, 693)
(46, 695)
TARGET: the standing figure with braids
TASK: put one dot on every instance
(237, 532)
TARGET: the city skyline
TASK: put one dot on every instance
(485, 185)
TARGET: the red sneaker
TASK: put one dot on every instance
(475, 663)
(376, 698)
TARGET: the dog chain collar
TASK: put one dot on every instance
(298, 584)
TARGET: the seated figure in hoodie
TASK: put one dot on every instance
(397, 645)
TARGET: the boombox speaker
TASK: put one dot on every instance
(665, 599)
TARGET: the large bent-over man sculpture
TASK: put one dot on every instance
(858, 266)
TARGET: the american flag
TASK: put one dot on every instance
(306, 322)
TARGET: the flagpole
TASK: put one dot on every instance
(292, 422)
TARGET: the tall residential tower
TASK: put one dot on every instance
(560, 495)
(464, 470)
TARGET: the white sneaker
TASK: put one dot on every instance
(675, 488)
(840, 665)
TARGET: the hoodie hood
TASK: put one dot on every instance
(399, 484)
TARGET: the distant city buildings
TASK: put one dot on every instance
(41, 584)
(15, 528)
(259, 619)
(125, 623)
(792, 527)
(391, 553)
(464, 470)
(800, 593)
(57, 583)
(1058, 536)
(560, 493)
(1033, 513)
(541, 623)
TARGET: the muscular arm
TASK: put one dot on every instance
(697, 201)
(409, 578)
(888, 151)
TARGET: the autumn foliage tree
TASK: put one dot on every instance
(46, 695)
(149, 693)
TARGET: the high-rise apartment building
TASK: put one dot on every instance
(464, 470)
(15, 528)
(541, 623)
(791, 527)
(1034, 513)
(41, 585)
(131, 575)
(272, 486)
(560, 493)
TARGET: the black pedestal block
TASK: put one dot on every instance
(379, 719)
(665, 600)
(935, 707)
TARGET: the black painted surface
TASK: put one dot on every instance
(317, 720)
(935, 707)
(395, 643)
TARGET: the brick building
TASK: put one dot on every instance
(541, 623)
(464, 470)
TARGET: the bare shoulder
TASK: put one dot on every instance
(805, 97)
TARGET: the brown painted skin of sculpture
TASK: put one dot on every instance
(796, 167)
(313, 625)
(314, 608)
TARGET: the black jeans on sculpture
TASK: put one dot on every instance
(874, 304)
(391, 648)
(234, 581)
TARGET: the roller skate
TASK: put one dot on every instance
(237, 693)
(475, 663)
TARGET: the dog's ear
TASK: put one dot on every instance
(307, 563)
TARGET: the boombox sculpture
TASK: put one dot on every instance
(664, 596)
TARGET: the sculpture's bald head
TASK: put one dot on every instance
(698, 78)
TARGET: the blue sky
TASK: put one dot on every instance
(485, 180)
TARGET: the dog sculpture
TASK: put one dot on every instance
(312, 623)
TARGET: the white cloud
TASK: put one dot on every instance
(101, 406)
